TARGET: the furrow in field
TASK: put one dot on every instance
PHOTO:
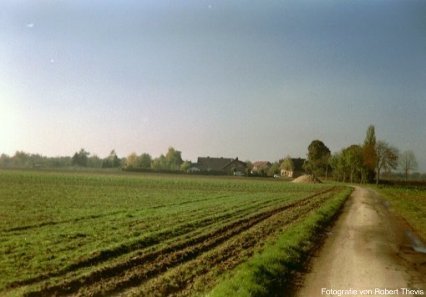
(262, 229)
(196, 228)
(98, 216)
(200, 272)
(163, 259)
(52, 223)
(197, 225)
(193, 214)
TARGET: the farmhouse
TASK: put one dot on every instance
(219, 166)
(297, 169)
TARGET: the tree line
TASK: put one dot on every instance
(363, 163)
(171, 161)
(359, 162)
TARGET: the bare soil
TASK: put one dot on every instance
(367, 249)
(306, 179)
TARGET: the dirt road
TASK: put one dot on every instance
(366, 254)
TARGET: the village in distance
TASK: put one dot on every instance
(367, 162)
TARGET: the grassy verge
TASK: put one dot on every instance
(410, 203)
(268, 272)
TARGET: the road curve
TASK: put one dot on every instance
(366, 254)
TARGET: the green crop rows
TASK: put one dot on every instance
(65, 233)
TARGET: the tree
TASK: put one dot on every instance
(353, 161)
(274, 169)
(249, 167)
(132, 161)
(94, 162)
(145, 161)
(112, 161)
(287, 164)
(80, 158)
(408, 162)
(21, 159)
(338, 166)
(160, 163)
(57, 162)
(5, 161)
(185, 166)
(369, 154)
(370, 137)
(387, 158)
(173, 159)
(318, 158)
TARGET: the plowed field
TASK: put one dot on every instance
(88, 234)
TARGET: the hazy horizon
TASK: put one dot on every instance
(211, 78)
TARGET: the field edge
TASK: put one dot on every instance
(272, 270)
(401, 202)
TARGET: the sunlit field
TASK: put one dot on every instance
(100, 234)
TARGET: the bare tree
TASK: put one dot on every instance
(387, 158)
(408, 162)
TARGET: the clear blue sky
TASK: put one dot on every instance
(253, 79)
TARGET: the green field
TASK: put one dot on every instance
(410, 203)
(65, 233)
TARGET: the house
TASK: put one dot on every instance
(296, 170)
(219, 166)
(236, 167)
(261, 167)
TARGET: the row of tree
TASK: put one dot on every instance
(359, 163)
(25, 160)
(171, 161)
(84, 159)
(81, 158)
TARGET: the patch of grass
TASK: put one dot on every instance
(271, 270)
(408, 202)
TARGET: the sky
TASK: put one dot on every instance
(258, 80)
